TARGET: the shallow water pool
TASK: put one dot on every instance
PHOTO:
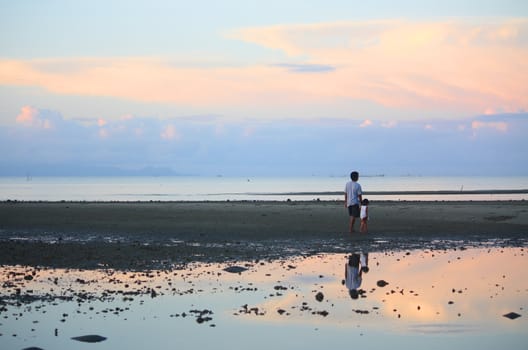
(455, 298)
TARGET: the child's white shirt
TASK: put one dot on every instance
(363, 212)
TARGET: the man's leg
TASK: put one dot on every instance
(352, 221)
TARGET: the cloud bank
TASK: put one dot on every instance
(42, 142)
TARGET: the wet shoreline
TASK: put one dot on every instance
(160, 234)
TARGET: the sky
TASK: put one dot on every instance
(269, 88)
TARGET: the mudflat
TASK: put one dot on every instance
(143, 234)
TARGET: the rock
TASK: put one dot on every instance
(382, 283)
(235, 269)
(319, 297)
(89, 338)
(512, 315)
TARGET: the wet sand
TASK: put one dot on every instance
(140, 234)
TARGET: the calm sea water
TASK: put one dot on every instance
(438, 299)
(254, 188)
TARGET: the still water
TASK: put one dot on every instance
(434, 299)
(196, 188)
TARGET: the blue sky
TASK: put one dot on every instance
(263, 88)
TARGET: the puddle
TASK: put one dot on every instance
(435, 298)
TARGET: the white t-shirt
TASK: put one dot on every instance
(363, 211)
(353, 280)
(353, 190)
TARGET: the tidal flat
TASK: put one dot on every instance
(459, 298)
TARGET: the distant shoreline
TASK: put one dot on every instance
(307, 193)
(396, 193)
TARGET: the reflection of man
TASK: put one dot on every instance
(354, 268)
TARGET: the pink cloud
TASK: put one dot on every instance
(104, 133)
(28, 115)
(248, 131)
(31, 117)
(456, 64)
(390, 124)
(170, 133)
(498, 126)
(366, 123)
(467, 66)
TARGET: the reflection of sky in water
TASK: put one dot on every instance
(434, 299)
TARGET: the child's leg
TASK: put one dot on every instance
(363, 226)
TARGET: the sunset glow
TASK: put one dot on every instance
(380, 73)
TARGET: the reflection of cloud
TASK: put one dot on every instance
(442, 328)
(420, 289)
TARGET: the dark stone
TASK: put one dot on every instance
(319, 297)
(235, 269)
(512, 315)
(382, 283)
(90, 338)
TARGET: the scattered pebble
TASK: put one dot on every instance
(92, 338)
(382, 283)
(512, 315)
(235, 269)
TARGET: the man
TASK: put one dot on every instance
(353, 197)
(354, 268)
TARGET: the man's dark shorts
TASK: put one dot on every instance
(353, 210)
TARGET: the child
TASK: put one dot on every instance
(364, 216)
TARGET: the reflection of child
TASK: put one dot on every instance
(363, 227)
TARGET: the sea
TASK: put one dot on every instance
(224, 188)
